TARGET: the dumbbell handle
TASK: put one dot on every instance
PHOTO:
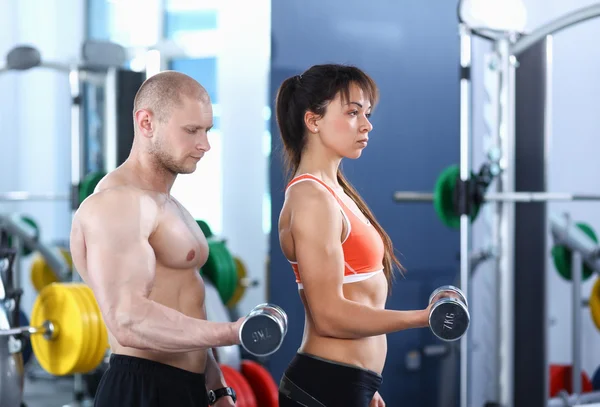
(48, 329)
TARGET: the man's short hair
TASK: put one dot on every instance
(163, 92)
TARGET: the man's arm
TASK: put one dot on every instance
(116, 226)
(317, 230)
(213, 374)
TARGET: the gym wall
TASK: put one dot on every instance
(411, 50)
(35, 117)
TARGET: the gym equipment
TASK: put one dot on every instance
(25, 220)
(16, 227)
(451, 194)
(27, 196)
(561, 255)
(11, 365)
(26, 350)
(205, 228)
(561, 379)
(67, 331)
(576, 239)
(42, 274)
(216, 312)
(500, 82)
(596, 379)
(220, 268)
(234, 379)
(242, 283)
(88, 184)
(449, 316)
(263, 386)
(594, 303)
(263, 330)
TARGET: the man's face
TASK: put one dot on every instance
(182, 140)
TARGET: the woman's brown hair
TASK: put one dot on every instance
(313, 91)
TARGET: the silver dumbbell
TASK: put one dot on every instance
(263, 330)
(449, 317)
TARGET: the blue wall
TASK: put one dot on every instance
(411, 49)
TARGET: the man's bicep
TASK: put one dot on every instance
(119, 256)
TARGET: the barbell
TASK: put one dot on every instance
(451, 193)
(67, 332)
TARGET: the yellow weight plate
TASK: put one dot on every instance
(41, 273)
(57, 304)
(90, 344)
(240, 289)
(99, 340)
(595, 303)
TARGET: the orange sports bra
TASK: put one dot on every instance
(363, 247)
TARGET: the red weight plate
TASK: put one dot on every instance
(232, 381)
(262, 383)
(561, 379)
(249, 398)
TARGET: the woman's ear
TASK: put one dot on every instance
(311, 121)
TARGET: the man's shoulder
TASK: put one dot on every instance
(123, 203)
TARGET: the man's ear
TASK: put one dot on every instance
(144, 122)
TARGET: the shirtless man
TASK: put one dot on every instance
(139, 250)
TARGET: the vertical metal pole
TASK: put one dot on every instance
(110, 142)
(77, 144)
(465, 170)
(77, 172)
(576, 267)
(507, 216)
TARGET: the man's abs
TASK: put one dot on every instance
(183, 291)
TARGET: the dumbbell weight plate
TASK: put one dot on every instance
(449, 319)
(453, 291)
(263, 330)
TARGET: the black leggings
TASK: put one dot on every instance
(135, 382)
(311, 381)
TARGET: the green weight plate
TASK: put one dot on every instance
(88, 184)
(205, 228)
(30, 222)
(561, 256)
(221, 269)
(443, 198)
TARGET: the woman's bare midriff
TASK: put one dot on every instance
(367, 353)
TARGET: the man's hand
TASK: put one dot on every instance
(377, 401)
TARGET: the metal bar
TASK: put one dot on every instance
(23, 330)
(575, 240)
(576, 338)
(409, 196)
(554, 26)
(32, 196)
(506, 210)
(27, 235)
(465, 172)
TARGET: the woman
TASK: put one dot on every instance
(342, 258)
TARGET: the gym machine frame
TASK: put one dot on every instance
(99, 60)
(507, 46)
